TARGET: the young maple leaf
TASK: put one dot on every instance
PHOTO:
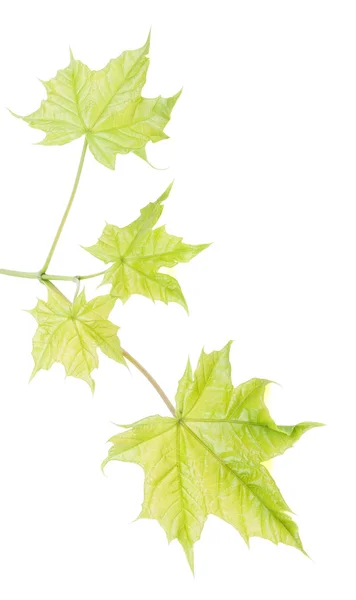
(207, 460)
(138, 251)
(106, 106)
(71, 333)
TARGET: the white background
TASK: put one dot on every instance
(263, 154)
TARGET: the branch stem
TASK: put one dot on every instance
(66, 212)
(152, 381)
(47, 276)
(24, 274)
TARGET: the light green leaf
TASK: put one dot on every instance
(208, 459)
(138, 251)
(106, 106)
(71, 333)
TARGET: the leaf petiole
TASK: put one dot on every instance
(66, 212)
(152, 381)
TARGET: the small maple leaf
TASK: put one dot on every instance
(138, 251)
(70, 333)
(208, 458)
(106, 106)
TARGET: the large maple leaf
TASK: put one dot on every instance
(208, 458)
(138, 251)
(106, 106)
(70, 333)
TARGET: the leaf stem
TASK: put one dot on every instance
(54, 288)
(152, 381)
(66, 213)
(91, 276)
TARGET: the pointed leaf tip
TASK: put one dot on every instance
(165, 194)
(148, 41)
(15, 114)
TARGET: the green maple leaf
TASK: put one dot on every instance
(106, 106)
(208, 459)
(138, 251)
(71, 333)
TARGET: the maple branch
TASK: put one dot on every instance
(152, 381)
(66, 212)
(47, 276)
(24, 274)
